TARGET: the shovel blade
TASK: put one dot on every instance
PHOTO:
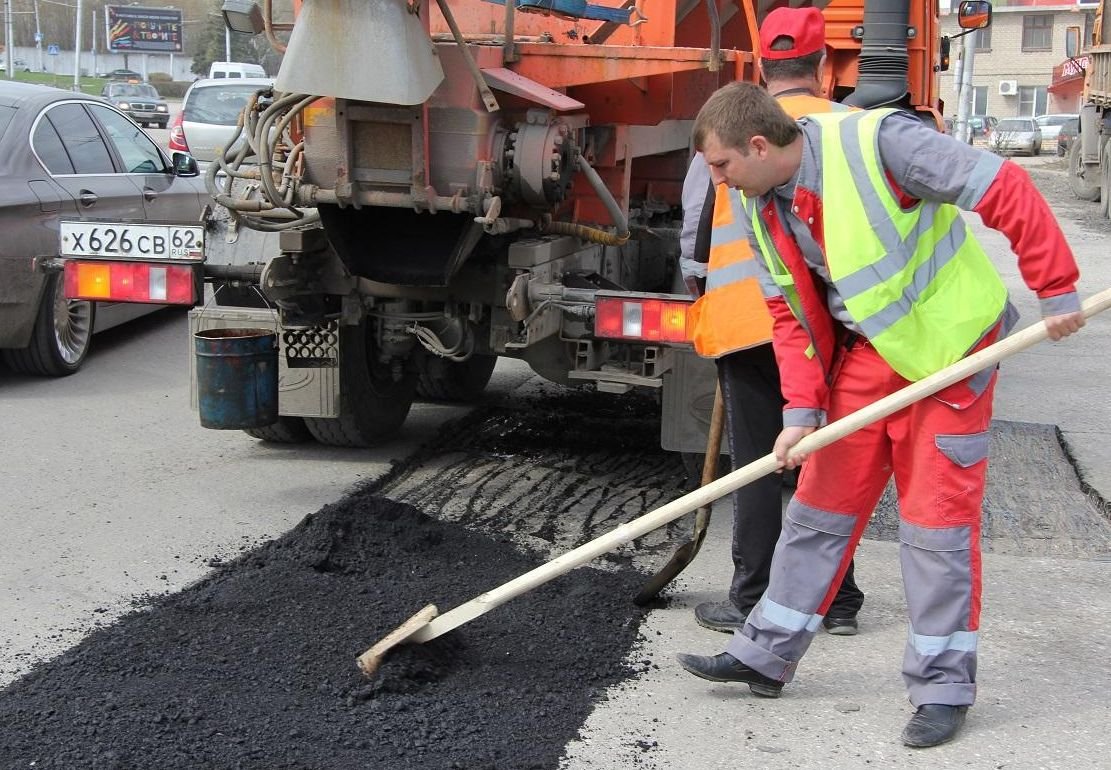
(370, 660)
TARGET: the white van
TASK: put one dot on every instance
(235, 69)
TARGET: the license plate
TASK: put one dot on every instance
(108, 240)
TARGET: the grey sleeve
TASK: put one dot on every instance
(694, 198)
(931, 165)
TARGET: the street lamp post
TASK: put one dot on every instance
(77, 51)
(38, 41)
(8, 39)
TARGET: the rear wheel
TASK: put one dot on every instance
(61, 336)
(287, 430)
(460, 381)
(1082, 188)
(375, 397)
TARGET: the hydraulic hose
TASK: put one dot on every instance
(592, 234)
(615, 212)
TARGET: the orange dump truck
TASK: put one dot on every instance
(433, 184)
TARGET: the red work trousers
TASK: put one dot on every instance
(938, 455)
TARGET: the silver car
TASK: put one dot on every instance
(209, 113)
(1013, 135)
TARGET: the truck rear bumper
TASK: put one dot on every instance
(308, 385)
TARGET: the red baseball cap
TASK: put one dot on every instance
(805, 27)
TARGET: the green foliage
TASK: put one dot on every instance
(62, 80)
(174, 90)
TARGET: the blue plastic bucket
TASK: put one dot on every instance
(237, 378)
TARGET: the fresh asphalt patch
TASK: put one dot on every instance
(254, 666)
(1035, 504)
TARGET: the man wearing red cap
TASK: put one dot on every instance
(732, 325)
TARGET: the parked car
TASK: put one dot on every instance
(130, 76)
(981, 125)
(1051, 124)
(1012, 135)
(140, 101)
(73, 162)
(209, 113)
(18, 65)
(1068, 133)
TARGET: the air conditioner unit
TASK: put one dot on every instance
(1008, 87)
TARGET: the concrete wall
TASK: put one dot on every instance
(1005, 60)
(62, 64)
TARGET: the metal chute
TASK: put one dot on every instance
(396, 61)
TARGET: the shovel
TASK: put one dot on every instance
(685, 553)
(428, 624)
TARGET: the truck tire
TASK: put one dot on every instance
(439, 379)
(287, 430)
(1081, 187)
(373, 404)
(61, 336)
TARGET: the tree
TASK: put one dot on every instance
(208, 44)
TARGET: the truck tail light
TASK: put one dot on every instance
(130, 282)
(641, 319)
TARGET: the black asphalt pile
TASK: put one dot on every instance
(255, 666)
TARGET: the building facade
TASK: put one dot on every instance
(1020, 67)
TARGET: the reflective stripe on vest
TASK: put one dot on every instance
(731, 315)
(915, 281)
(782, 283)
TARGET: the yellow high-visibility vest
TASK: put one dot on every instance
(915, 281)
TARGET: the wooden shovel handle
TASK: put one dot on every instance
(758, 469)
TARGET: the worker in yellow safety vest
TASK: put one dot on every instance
(731, 324)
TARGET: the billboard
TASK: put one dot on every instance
(143, 30)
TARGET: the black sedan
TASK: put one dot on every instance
(72, 164)
(140, 101)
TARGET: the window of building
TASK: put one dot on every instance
(983, 39)
(979, 100)
(1037, 32)
(1032, 100)
(1089, 29)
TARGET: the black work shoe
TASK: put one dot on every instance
(720, 616)
(840, 626)
(933, 724)
(726, 668)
